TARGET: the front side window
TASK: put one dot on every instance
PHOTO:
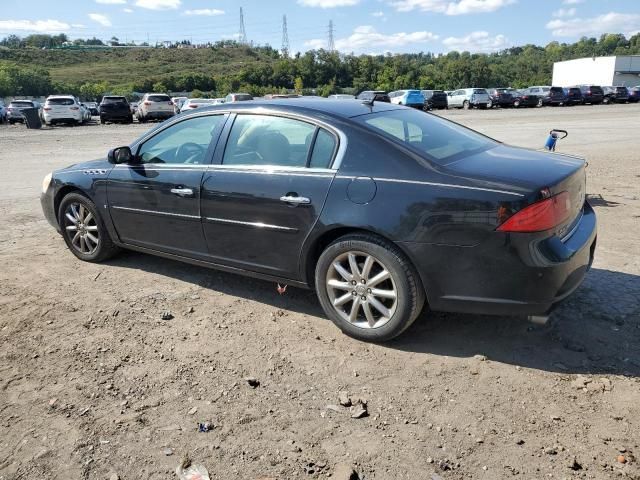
(440, 140)
(182, 143)
(268, 140)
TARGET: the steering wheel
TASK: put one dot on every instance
(191, 150)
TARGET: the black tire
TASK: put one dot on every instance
(130, 119)
(540, 103)
(410, 295)
(11, 122)
(516, 104)
(104, 249)
(466, 105)
(102, 121)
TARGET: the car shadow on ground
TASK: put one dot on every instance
(595, 331)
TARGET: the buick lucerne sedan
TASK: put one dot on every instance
(382, 209)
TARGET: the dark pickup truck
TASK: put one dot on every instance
(114, 108)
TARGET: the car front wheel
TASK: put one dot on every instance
(368, 288)
(83, 229)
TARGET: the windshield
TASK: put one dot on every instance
(440, 140)
(60, 101)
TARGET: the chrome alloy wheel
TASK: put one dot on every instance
(81, 228)
(361, 289)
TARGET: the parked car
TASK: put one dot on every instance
(3, 113)
(591, 94)
(634, 94)
(134, 107)
(64, 109)
(410, 98)
(115, 108)
(435, 99)
(86, 112)
(615, 95)
(547, 95)
(154, 106)
(341, 96)
(338, 213)
(192, 103)
(468, 98)
(14, 110)
(93, 108)
(500, 97)
(237, 97)
(178, 102)
(374, 95)
(572, 96)
(522, 98)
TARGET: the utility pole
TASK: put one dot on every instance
(285, 37)
(330, 44)
(242, 35)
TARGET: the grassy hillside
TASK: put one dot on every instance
(120, 66)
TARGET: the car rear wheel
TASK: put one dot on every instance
(466, 105)
(540, 102)
(83, 229)
(368, 288)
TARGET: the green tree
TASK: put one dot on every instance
(298, 85)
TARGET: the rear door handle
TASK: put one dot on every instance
(295, 200)
(182, 192)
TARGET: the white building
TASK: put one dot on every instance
(614, 71)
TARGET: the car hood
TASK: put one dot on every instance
(519, 167)
(101, 163)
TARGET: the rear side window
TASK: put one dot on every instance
(61, 101)
(323, 150)
(439, 140)
(479, 90)
(158, 98)
(268, 140)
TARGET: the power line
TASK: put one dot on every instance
(242, 35)
(331, 45)
(285, 37)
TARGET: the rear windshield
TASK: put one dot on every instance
(479, 90)
(595, 89)
(21, 104)
(621, 89)
(557, 89)
(60, 101)
(574, 90)
(158, 98)
(439, 140)
(114, 100)
(502, 90)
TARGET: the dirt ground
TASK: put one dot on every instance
(95, 385)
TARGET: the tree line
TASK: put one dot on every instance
(265, 70)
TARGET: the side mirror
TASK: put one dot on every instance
(120, 155)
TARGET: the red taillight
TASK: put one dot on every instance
(540, 216)
(46, 109)
(147, 103)
(193, 106)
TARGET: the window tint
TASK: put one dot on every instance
(114, 100)
(61, 101)
(185, 142)
(479, 90)
(323, 150)
(21, 104)
(158, 98)
(268, 140)
(441, 141)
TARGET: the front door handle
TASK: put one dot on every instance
(296, 200)
(182, 192)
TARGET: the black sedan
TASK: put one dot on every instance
(521, 98)
(501, 97)
(382, 209)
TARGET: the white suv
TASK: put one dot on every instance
(154, 106)
(63, 108)
(468, 98)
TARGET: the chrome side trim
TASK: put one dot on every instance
(445, 185)
(275, 170)
(266, 226)
(163, 166)
(155, 212)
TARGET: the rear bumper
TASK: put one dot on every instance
(507, 274)
(72, 117)
(163, 115)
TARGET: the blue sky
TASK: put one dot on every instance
(360, 26)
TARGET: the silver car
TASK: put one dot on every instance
(468, 98)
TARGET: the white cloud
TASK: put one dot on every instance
(564, 13)
(572, 2)
(316, 44)
(207, 12)
(377, 14)
(41, 26)
(101, 19)
(159, 4)
(127, 10)
(478, 42)
(111, 2)
(328, 3)
(78, 25)
(612, 22)
(451, 7)
(367, 37)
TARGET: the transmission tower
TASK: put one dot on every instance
(285, 37)
(331, 45)
(242, 35)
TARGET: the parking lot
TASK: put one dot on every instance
(95, 384)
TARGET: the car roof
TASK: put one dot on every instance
(336, 108)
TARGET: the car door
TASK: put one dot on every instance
(456, 98)
(155, 202)
(265, 191)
